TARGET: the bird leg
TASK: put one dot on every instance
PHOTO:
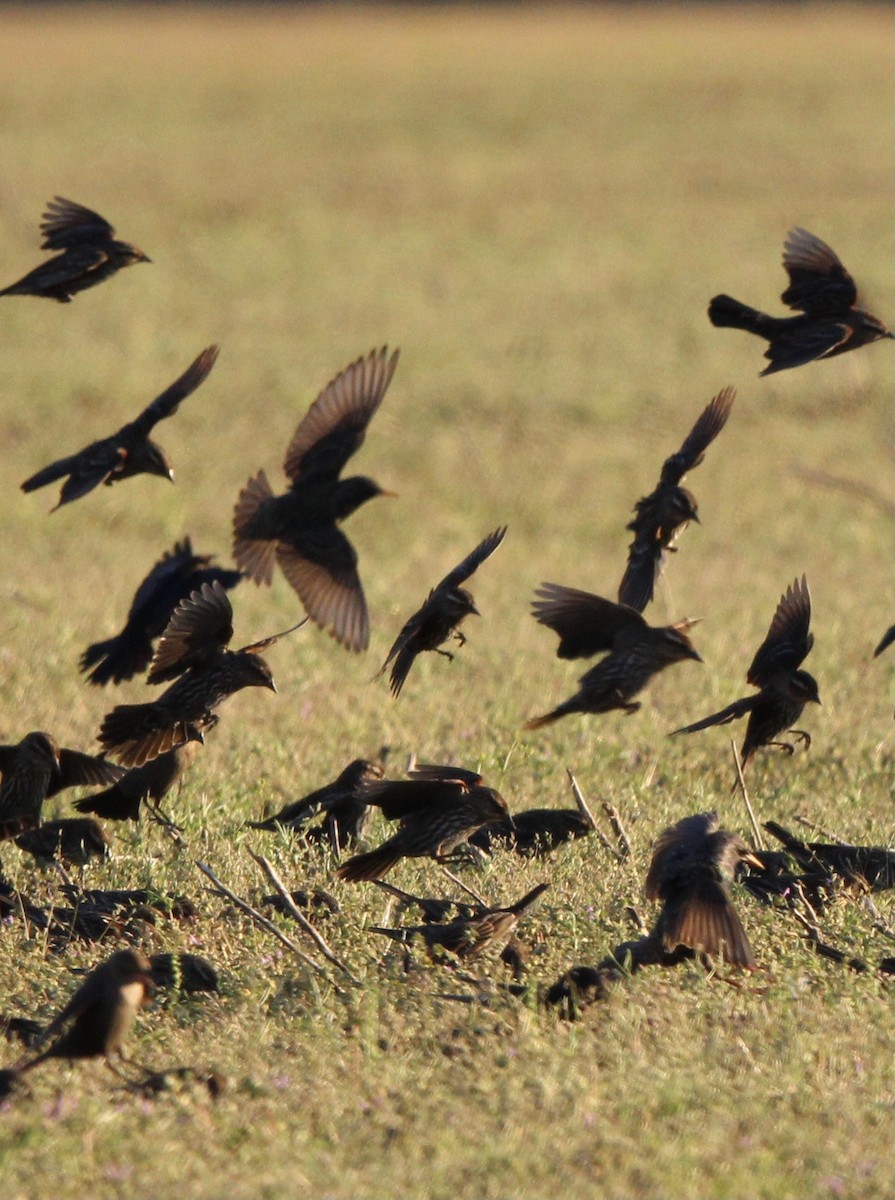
(445, 654)
(460, 637)
(802, 736)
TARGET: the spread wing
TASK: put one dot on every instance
(173, 563)
(788, 639)
(76, 769)
(200, 626)
(586, 624)
(473, 560)
(818, 282)
(329, 587)
(167, 403)
(709, 424)
(66, 224)
(733, 712)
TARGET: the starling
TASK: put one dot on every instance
(177, 573)
(872, 868)
(784, 690)
(533, 833)
(193, 652)
(691, 865)
(184, 973)
(74, 840)
(439, 618)
(438, 808)
(150, 782)
(345, 814)
(89, 254)
(660, 515)
(299, 529)
(825, 295)
(589, 624)
(128, 452)
(36, 768)
(886, 641)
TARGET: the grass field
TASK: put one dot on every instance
(536, 206)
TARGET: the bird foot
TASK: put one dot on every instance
(445, 654)
(801, 735)
(631, 708)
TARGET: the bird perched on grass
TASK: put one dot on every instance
(177, 573)
(659, 516)
(36, 768)
(151, 783)
(128, 452)
(823, 292)
(346, 814)
(438, 808)
(89, 253)
(438, 620)
(73, 840)
(534, 832)
(783, 689)
(299, 530)
(589, 624)
(871, 868)
(192, 652)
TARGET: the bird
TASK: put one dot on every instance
(128, 452)
(438, 620)
(177, 573)
(690, 870)
(73, 840)
(193, 653)
(345, 814)
(659, 516)
(36, 768)
(299, 529)
(870, 867)
(887, 639)
(588, 624)
(89, 254)
(438, 808)
(534, 832)
(783, 689)
(825, 295)
(150, 782)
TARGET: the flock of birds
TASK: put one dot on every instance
(180, 625)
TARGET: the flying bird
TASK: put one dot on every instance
(89, 253)
(635, 651)
(823, 292)
(299, 530)
(783, 689)
(438, 620)
(128, 452)
(659, 516)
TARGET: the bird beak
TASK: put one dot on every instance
(144, 257)
(391, 495)
(696, 656)
(273, 687)
(511, 821)
(473, 611)
(753, 861)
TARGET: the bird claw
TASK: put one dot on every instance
(445, 654)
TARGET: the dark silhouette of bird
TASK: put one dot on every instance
(346, 814)
(438, 808)
(89, 254)
(659, 516)
(193, 652)
(589, 624)
(534, 832)
(872, 868)
(438, 620)
(886, 641)
(186, 973)
(825, 295)
(783, 689)
(177, 573)
(692, 864)
(73, 840)
(128, 452)
(151, 783)
(36, 768)
(299, 530)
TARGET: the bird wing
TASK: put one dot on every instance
(400, 798)
(473, 560)
(329, 587)
(818, 341)
(167, 403)
(733, 712)
(333, 428)
(887, 639)
(708, 425)
(818, 282)
(404, 650)
(788, 640)
(586, 624)
(76, 768)
(65, 224)
(200, 626)
(445, 773)
(671, 843)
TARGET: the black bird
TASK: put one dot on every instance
(783, 689)
(823, 292)
(660, 515)
(128, 452)
(193, 652)
(438, 808)
(299, 530)
(36, 768)
(346, 814)
(872, 868)
(73, 840)
(151, 782)
(534, 832)
(177, 573)
(437, 621)
(89, 254)
(690, 869)
(887, 639)
(589, 624)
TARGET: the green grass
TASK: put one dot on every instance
(536, 206)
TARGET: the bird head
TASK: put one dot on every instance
(148, 458)
(253, 671)
(675, 643)
(803, 688)
(41, 747)
(355, 491)
(684, 507)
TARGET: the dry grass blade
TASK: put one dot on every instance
(758, 840)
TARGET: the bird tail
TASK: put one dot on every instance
(728, 313)
(131, 733)
(706, 920)
(50, 474)
(111, 805)
(369, 866)
(546, 719)
(114, 660)
(528, 900)
(254, 556)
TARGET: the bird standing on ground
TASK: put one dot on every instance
(128, 452)
(299, 530)
(89, 254)
(589, 624)
(659, 516)
(71, 841)
(437, 621)
(345, 813)
(151, 783)
(826, 296)
(783, 689)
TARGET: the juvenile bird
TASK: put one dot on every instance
(177, 573)
(823, 292)
(151, 783)
(783, 689)
(438, 620)
(128, 452)
(193, 652)
(346, 814)
(89, 254)
(659, 516)
(299, 530)
(73, 840)
(589, 624)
